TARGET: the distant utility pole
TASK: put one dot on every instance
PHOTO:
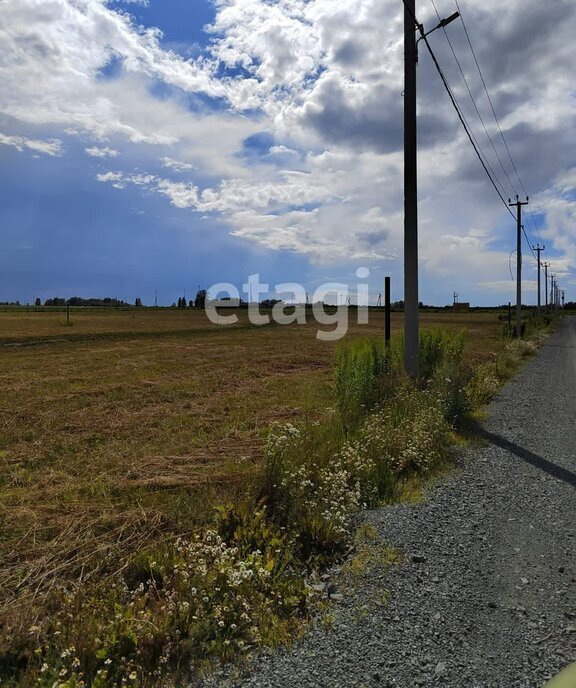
(555, 294)
(546, 266)
(156, 299)
(539, 249)
(411, 324)
(552, 291)
(563, 297)
(518, 204)
(455, 301)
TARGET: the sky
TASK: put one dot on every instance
(171, 144)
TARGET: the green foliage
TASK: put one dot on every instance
(362, 366)
(439, 347)
(483, 385)
(367, 373)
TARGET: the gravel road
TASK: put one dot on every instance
(486, 596)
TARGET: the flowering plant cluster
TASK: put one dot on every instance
(409, 435)
(206, 599)
(315, 486)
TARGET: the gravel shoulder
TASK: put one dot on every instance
(486, 595)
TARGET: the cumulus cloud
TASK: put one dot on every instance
(324, 79)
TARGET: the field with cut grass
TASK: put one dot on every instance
(126, 427)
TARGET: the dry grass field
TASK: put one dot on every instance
(127, 426)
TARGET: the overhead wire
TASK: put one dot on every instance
(464, 124)
(510, 263)
(461, 117)
(474, 103)
(531, 215)
(529, 243)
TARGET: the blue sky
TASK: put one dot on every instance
(140, 150)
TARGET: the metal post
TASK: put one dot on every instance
(387, 328)
(411, 324)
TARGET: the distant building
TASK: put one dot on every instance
(461, 307)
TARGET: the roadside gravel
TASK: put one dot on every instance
(486, 595)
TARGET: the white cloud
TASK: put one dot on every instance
(115, 178)
(106, 152)
(53, 147)
(177, 165)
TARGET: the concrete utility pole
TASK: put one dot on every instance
(552, 291)
(518, 204)
(411, 324)
(539, 249)
(546, 266)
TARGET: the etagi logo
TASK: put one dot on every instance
(291, 307)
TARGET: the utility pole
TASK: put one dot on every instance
(539, 249)
(411, 324)
(518, 204)
(556, 294)
(552, 291)
(546, 266)
(563, 298)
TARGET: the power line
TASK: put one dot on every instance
(462, 120)
(461, 116)
(488, 95)
(456, 106)
(510, 263)
(496, 117)
(534, 223)
(528, 241)
(474, 102)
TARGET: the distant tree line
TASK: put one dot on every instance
(78, 301)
